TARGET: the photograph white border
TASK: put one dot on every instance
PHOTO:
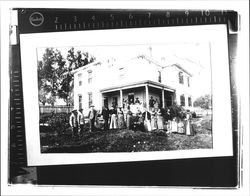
(242, 80)
(216, 35)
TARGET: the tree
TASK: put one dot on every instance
(47, 77)
(204, 102)
(54, 74)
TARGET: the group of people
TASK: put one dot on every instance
(77, 121)
(154, 118)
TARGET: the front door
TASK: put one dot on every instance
(131, 98)
(105, 102)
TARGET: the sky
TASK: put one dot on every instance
(194, 57)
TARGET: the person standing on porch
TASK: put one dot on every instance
(137, 101)
(92, 118)
(151, 103)
(105, 115)
(113, 120)
(156, 104)
(121, 122)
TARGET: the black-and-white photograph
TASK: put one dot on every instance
(125, 98)
(126, 95)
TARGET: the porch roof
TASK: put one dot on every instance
(137, 84)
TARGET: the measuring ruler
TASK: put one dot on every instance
(56, 20)
(61, 20)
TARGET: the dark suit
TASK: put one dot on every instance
(92, 119)
(105, 114)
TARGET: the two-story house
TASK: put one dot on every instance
(138, 78)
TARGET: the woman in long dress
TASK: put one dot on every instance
(153, 120)
(113, 120)
(174, 125)
(121, 122)
(188, 125)
(159, 115)
(129, 119)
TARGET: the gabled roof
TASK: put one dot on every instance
(144, 57)
(182, 69)
(86, 66)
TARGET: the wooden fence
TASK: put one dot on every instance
(56, 109)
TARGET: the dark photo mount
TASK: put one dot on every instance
(197, 172)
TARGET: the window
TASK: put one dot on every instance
(189, 102)
(182, 99)
(159, 76)
(80, 101)
(80, 79)
(181, 81)
(188, 81)
(90, 99)
(121, 73)
(90, 76)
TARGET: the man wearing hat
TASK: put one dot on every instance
(81, 121)
(92, 118)
(73, 121)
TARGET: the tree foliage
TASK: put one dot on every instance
(204, 102)
(55, 79)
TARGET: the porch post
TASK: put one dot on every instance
(163, 98)
(147, 97)
(121, 98)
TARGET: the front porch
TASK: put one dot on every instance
(138, 93)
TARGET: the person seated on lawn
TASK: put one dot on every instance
(140, 121)
(180, 126)
(73, 121)
(81, 121)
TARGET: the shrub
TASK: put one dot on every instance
(58, 122)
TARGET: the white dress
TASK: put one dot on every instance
(174, 126)
(188, 127)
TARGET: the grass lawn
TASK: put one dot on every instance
(129, 141)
